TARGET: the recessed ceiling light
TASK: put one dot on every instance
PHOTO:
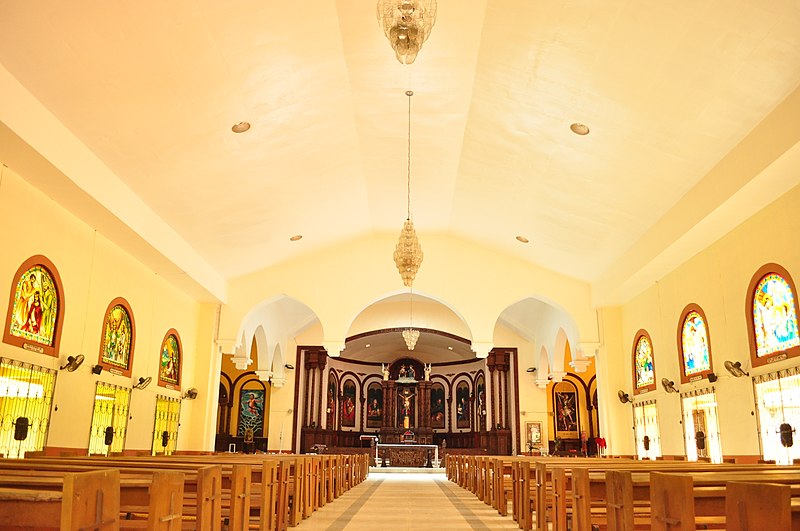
(522, 239)
(296, 237)
(579, 129)
(449, 348)
(240, 127)
(367, 345)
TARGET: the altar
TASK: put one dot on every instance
(407, 455)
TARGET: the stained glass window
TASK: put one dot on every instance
(643, 357)
(117, 337)
(170, 365)
(33, 316)
(774, 316)
(694, 343)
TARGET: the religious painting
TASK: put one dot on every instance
(462, 405)
(694, 342)
(170, 364)
(566, 413)
(774, 316)
(117, 337)
(437, 406)
(35, 308)
(349, 404)
(251, 412)
(374, 405)
(533, 435)
(643, 361)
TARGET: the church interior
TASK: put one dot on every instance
(561, 229)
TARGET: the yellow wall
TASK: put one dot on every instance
(576, 378)
(716, 279)
(338, 285)
(233, 394)
(93, 272)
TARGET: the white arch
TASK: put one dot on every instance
(393, 311)
(559, 353)
(543, 323)
(268, 325)
(543, 368)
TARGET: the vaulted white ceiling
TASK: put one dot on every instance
(153, 88)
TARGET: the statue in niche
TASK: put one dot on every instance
(385, 371)
(427, 370)
(406, 397)
(410, 373)
(402, 373)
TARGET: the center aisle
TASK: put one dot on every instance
(407, 501)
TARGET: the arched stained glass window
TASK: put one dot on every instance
(694, 344)
(773, 315)
(772, 320)
(169, 367)
(116, 343)
(35, 306)
(644, 373)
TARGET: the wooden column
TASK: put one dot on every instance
(322, 358)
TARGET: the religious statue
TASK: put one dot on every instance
(427, 370)
(406, 411)
(402, 373)
(411, 373)
(385, 371)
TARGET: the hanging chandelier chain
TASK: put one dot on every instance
(409, 93)
(411, 306)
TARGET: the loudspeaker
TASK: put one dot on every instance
(787, 437)
(700, 440)
(712, 377)
(109, 435)
(21, 428)
(97, 369)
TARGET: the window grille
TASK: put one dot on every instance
(777, 396)
(109, 419)
(645, 424)
(165, 431)
(701, 425)
(26, 394)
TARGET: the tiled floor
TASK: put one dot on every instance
(407, 501)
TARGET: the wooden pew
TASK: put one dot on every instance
(156, 501)
(669, 494)
(83, 500)
(758, 506)
(682, 501)
(202, 483)
(281, 490)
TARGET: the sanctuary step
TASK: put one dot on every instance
(404, 470)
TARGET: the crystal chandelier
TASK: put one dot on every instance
(410, 336)
(407, 24)
(408, 253)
